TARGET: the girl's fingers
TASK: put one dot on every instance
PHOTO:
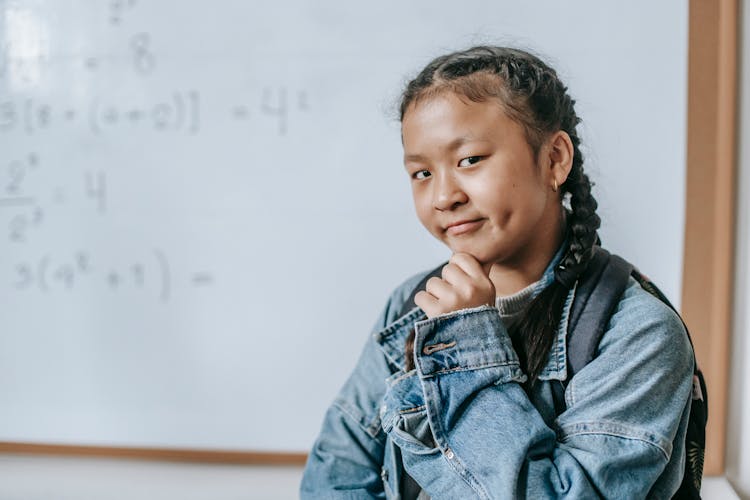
(454, 275)
(438, 288)
(463, 284)
(470, 265)
(427, 303)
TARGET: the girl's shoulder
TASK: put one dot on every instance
(636, 302)
(641, 321)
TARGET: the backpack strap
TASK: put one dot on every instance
(409, 304)
(597, 294)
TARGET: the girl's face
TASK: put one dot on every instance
(476, 184)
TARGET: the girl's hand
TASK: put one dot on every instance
(465, 284)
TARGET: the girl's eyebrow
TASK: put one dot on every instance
(413, 157)
(451, 146)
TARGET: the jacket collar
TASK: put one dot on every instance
(394, 336)
(557, 360)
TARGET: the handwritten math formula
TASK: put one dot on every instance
(36, 196)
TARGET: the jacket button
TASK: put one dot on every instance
(449, 454)
(384, 474)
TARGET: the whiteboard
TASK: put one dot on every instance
(203, 206)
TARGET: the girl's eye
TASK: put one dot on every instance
(421, 174)
(471, 160)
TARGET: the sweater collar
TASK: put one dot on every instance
(556, 365)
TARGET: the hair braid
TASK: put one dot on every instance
(583, 221)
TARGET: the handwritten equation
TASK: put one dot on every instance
(178, 112)
(25, 208)
(52, 274)
(35, 188)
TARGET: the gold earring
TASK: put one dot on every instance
(554, 187)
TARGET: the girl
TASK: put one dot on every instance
(455, 398)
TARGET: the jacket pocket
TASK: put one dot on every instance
(412, 431)
(404, 415)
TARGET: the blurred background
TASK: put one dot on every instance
(203, 209)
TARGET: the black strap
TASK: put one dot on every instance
(597, 294)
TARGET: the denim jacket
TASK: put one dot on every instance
(462, 426)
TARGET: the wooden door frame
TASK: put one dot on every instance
(710, 204)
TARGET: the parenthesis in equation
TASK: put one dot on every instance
(27, 118)
(94, 115)
(195, 117)
(43, 265)
(165, 277)
(179, 106)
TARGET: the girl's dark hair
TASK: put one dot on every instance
(530, 93)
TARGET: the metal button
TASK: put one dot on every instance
(384, 474)
(449, 454)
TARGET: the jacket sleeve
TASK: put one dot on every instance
(467, 428)
(347, 457)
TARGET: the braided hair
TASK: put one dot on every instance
(531, 94)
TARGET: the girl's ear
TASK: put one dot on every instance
(559, 158)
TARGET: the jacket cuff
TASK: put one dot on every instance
(469, 339)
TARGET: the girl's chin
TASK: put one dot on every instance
(482, 256)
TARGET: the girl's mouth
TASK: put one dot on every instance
(463, 227)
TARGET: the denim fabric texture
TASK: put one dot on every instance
(463, 427)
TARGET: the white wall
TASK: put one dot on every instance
(738, 430)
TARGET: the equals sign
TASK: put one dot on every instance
(135, 114)
(240, 112)
(202, 279)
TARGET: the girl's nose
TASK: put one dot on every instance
(448, 193)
